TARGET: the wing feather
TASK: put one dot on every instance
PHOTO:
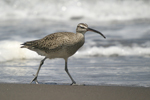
(50, 42)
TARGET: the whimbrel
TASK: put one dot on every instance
(59, 45)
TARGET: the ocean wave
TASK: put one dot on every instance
(10, 50)
(75, 9)
(115, 51)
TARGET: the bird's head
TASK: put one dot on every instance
(83, 28)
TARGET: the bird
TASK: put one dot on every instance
(59, 45)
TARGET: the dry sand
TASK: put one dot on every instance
(66, 92)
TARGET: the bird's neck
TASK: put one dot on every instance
(80, 36)
(80, 32)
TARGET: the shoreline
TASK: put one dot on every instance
(13, 91)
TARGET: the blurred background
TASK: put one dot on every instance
(122, 58)
(97, 10)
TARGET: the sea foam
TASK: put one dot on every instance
(10, 50)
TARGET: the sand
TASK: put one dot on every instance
(66, 92)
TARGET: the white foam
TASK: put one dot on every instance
(114, 51)
(10, 50)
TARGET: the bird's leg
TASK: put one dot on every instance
(35, 78)
(66, 69)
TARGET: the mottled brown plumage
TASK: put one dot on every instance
(59, 45)
(56, 45)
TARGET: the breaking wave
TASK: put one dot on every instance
(10, 50)
(75, 9)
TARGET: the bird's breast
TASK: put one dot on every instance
(74, 46)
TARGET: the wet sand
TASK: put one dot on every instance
(66, 92)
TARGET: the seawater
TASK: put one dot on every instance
(120, 59)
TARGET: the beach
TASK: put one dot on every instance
(115, 68)
(67, 92)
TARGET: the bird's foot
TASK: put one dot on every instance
(73, 83)
(35, 80)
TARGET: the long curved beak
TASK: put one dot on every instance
(90, 29)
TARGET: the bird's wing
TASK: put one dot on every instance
(50, 42)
